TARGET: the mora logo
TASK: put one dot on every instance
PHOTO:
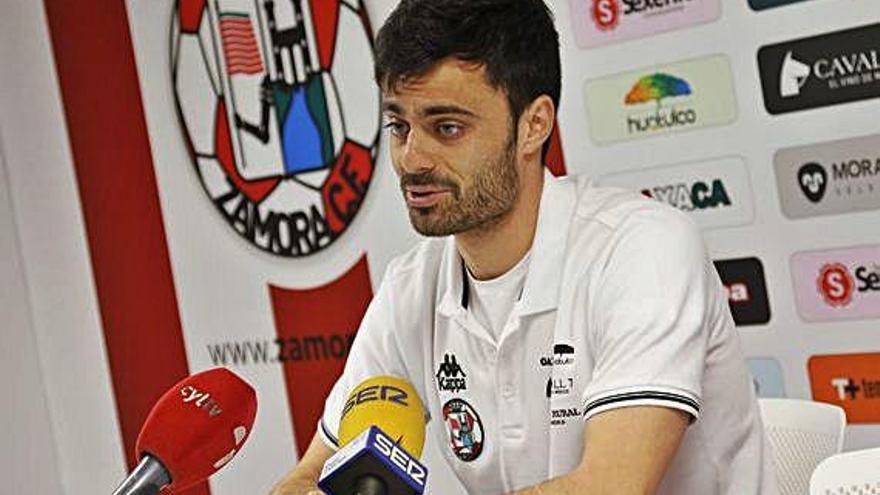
(851, 381)
(280, 115)
(829, 178)
(822, 70)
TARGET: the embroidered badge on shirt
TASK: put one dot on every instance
(465, 429)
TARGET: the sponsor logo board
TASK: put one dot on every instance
(716, 192)
(837, 284)
(829, 178)
(851, 381)
(746, 290)
(823, 70)
(661, 100)
(601, 22)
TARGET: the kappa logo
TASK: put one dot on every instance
(813, 179)
(450, 376)
(280, 114)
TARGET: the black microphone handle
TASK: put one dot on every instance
(370, 485)
(148, 478)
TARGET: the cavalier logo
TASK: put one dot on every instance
(280, 114)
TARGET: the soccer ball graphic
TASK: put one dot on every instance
(280, 114)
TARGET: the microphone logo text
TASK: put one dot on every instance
(201, 400)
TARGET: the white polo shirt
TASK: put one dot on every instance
(620, 307)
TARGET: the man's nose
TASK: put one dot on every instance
(415, 154)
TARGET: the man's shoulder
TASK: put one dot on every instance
(417, 265)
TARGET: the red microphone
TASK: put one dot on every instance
(194, 429)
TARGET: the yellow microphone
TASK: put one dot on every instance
(382, 434)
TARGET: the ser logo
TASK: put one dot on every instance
(696, 196)
(386, 393)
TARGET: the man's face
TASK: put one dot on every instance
(453, 146)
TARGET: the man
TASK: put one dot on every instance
(565, 338)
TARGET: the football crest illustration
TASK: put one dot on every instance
(280, 113)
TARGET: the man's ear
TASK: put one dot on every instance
(535, 125)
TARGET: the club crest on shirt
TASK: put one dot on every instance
(465, 429)
(450, 376)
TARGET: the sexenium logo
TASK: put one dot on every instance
(602, 22)
(685, 95)
(823, 70)
(829, 178)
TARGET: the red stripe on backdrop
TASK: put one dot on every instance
(120, 203)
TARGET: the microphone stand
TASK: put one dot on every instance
(148, 478)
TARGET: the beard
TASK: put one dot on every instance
(489, 197)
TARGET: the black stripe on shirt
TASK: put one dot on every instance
(329, 435)
(642, 395)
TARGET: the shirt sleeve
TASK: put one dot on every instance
(374, 352)
(648, 332)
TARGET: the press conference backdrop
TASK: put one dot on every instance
(193, 186)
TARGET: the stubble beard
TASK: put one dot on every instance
(489, 199)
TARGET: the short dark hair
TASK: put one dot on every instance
(514, 40)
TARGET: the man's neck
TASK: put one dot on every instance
(491, 252)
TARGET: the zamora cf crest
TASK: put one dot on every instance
(280, 114)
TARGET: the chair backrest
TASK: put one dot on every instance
(802, 434)
(850, 473)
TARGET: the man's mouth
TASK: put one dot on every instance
(425, 196)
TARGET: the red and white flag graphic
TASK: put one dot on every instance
(240, 44)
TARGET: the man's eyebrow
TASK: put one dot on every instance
(392, 107)
(431, 111)
(446, 110)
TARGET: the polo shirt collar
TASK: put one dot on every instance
(542, 284)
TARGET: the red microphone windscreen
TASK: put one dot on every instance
(198, 425)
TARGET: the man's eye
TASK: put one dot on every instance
(450, 130)
(397, 129)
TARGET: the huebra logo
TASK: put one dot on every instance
(813, 179)
(280, 114)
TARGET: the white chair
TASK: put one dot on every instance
(850, 473)
(802, 434)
